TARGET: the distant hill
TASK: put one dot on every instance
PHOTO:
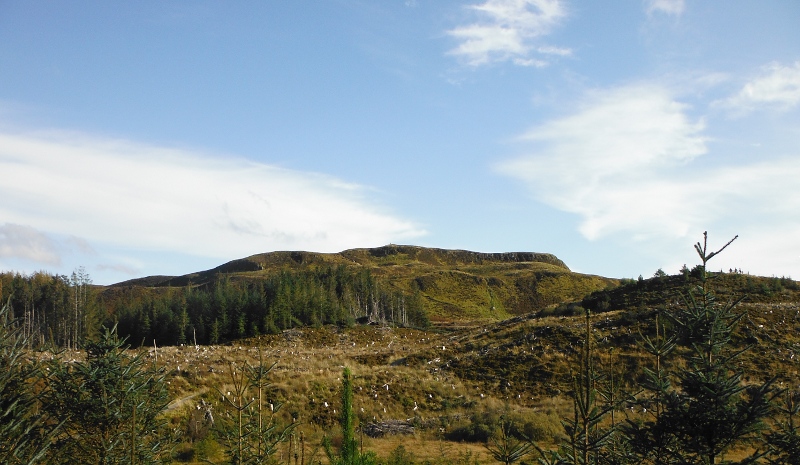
(453, 284)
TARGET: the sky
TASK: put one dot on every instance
(167, 137)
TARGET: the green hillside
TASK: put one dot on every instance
(452, 284)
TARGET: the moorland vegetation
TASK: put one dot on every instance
(401, 355)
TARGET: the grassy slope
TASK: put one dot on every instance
(520, 365)
(502, 342)
(454, 284)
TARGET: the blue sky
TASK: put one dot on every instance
(165, 137)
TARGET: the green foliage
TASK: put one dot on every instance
(590, 437)
(250, 428)
(698, 413)
(564, 309)
(400, 456)
(111, 406)
(691, 415)
(349, 453)
(483, 425)
(650, 439)
(711, 410)
(349, 449)
(586, 433)
(52, 310)
(227, 309)
(784, 440)
(506, 448)
(480, 428)
(24, 433)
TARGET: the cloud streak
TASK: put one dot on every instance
(27, 243)
(507, 31)
(120, 194)
(627, 163)
(777, 86)
(623, 137)
(669, 7)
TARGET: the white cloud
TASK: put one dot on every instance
(507, 30)
(622, 137)
(124, 195)
(778, 87)
(25, 242)
(120, 268)
(626, 164)
(670, 7)
(558, 51)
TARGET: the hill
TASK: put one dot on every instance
(452, 284)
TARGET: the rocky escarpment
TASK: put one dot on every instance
(448, 257)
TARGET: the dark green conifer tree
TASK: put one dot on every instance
(349, 453)
(784, 439)
(711, 410)
(648, 440)
(349, 446)
(24, 432)
(111, 406)
(250, 429)
(587, 432)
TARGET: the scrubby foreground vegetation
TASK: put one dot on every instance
(667, 370)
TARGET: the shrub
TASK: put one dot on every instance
(111, 406)
(564, 309)
(400, 456)
(541, 427)
(24, 436)
(481, 426)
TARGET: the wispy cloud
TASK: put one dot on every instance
(669, 7)
(616, 144)
(507, 30)
(121, 194)
(626, 164)
(777, 86)
(24, 242)
(120, 268)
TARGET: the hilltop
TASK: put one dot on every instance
(452, 284)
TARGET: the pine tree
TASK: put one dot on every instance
(24, 433)
(710, 410)
(784, 440)
(348, 453)
(111, 406)
(649, 442)
(587, 434)
(349, 446)
(507, 449)
(250, 432)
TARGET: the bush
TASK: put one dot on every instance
(400, 456)
(480, 428)
(564, 309)
(536, 426)
(208, 449)
(24, 433)
(111, 407)
(541, 427)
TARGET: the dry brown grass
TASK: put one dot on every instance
(437, 379)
